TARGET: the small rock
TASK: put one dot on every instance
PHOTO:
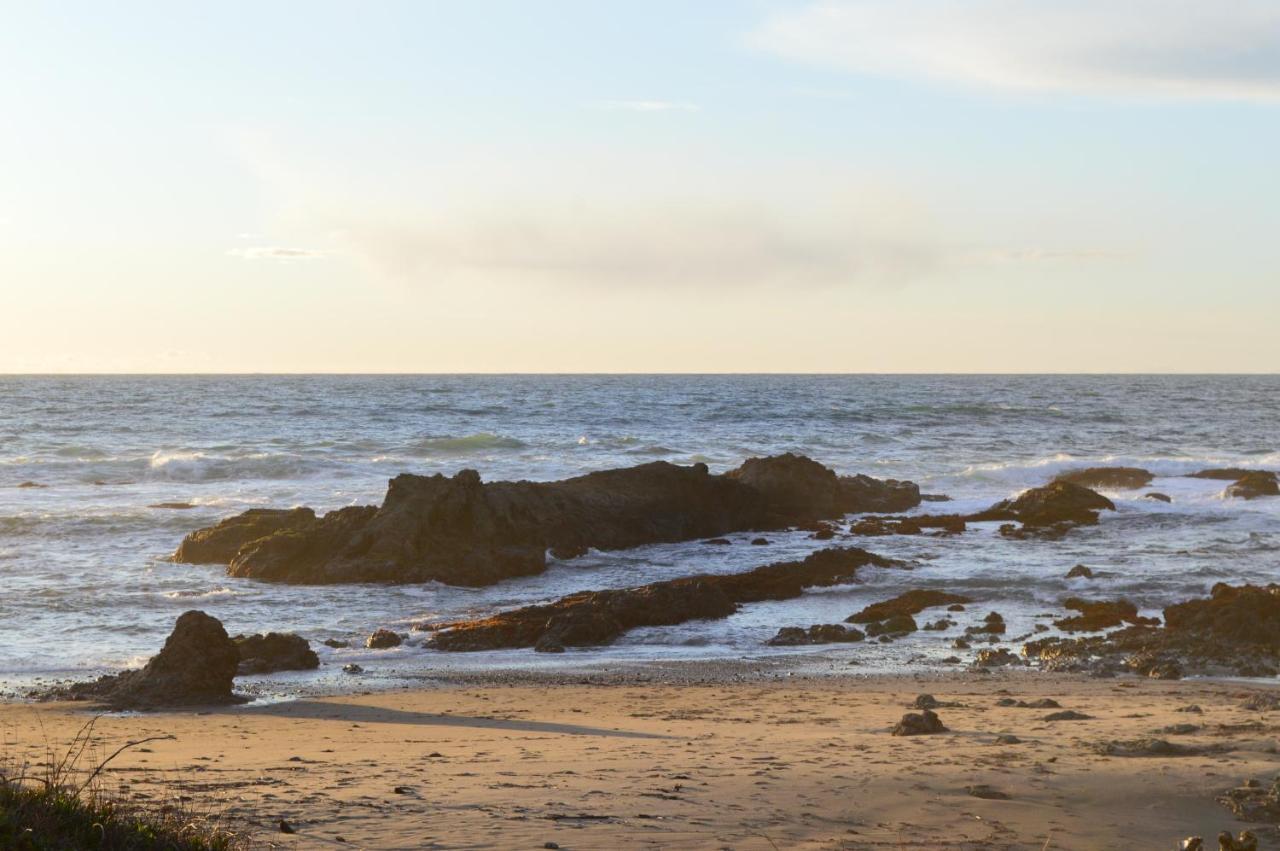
(982, 790)
(382, 639)
(336, 644)
(1161, 497)
(1067, 715)
(352, 668)
(285, 827)
(926, 701)
(1079, 571)
(1008, 739)
(913, 724)
(759, 542)
(550, 845)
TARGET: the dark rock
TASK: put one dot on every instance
(759, 542)
(285, 827)
(1223, 474)
(790, 636)
(893, 626)
(382, 639)
(950, 524)
(274, 651)
(1151, 746)
(1253, 486)
(352, 668)
(1192, 708)
(990, 793)
(960, 644)
(172, 506)
(1006, 701)
(598, 617)
(195, 667)
(1254, 801)
(992, 624)
(464, 532)
(910, 603)
(1008, 739)
(1179, 729)
(336, 644)
(919, 724)
(1100, 614)
(1079, 571)
(219, 544)
(934, 497)
(1067, 715)
(1050, 507)
(1159, 497)
(567, 553)
(718, 542)
(955, 607)
(939, 625)
(1113, 478)
(926, 701)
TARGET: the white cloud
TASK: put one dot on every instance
(1220, 49)
(647, 106)
(278, 253)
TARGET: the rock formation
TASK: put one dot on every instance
(464, 532)
(1116, 478)
(274, 651)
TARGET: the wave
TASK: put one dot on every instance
(481, 442)
(179, 466)
(202, 595)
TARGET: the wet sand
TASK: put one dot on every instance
(753, 763)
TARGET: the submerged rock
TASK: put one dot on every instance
(195, 667)
(1158, 497)
(598, 617)
(1079, 572)
(909, 603)
(464, 532)
(274, 651)
(1224, 474)
(946, 524)
(1124, 478)
(829, 633)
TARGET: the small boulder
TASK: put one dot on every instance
(1253, 486)
(1159, 497)
(1079, 572)
(382, 639)
(919, 724)
(274, 651)
(830, 633)
(896, 625)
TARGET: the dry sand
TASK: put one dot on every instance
(790, 763)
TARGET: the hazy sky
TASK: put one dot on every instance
(907, 185)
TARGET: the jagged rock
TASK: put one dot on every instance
(1159, 497)
(598, 617)
(381, 639)
(992, 624)
(1151, 746)
(995, 658)
(947, 524)
(1121, 478)
(1079, 572)
(909, 603)
(219, 544)
(790, 636)
(195, 667)
(919, 724)
(1100, 614)
(274, 651)
(464, 532)
(1253, 486)
(1254, 802)
(1050, 507)
(892, 626)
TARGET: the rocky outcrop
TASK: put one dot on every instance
(1236, 630)
(827, 633)
(383, 639)
(274, 651)
(946, 524)
(1100, 614)
(919, 724)
(1254, 485)
(1222, 474)
(910, 603)
(1112, 478)
(1058, 502)
(196, 667)
(219, 544)
(461, 531)
(598, 617)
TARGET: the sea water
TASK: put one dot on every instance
(85, 584)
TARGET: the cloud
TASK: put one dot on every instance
(647, 106)
(676, 243)
(1212, 49)
(277, 253)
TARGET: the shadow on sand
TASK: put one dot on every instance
(361, 714)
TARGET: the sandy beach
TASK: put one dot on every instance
(666, 761)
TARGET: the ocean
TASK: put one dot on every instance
(85, 585)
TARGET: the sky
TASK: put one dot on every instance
(594, 186)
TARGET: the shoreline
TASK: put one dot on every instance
(659, 759)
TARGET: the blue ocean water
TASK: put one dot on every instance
(85, 586)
